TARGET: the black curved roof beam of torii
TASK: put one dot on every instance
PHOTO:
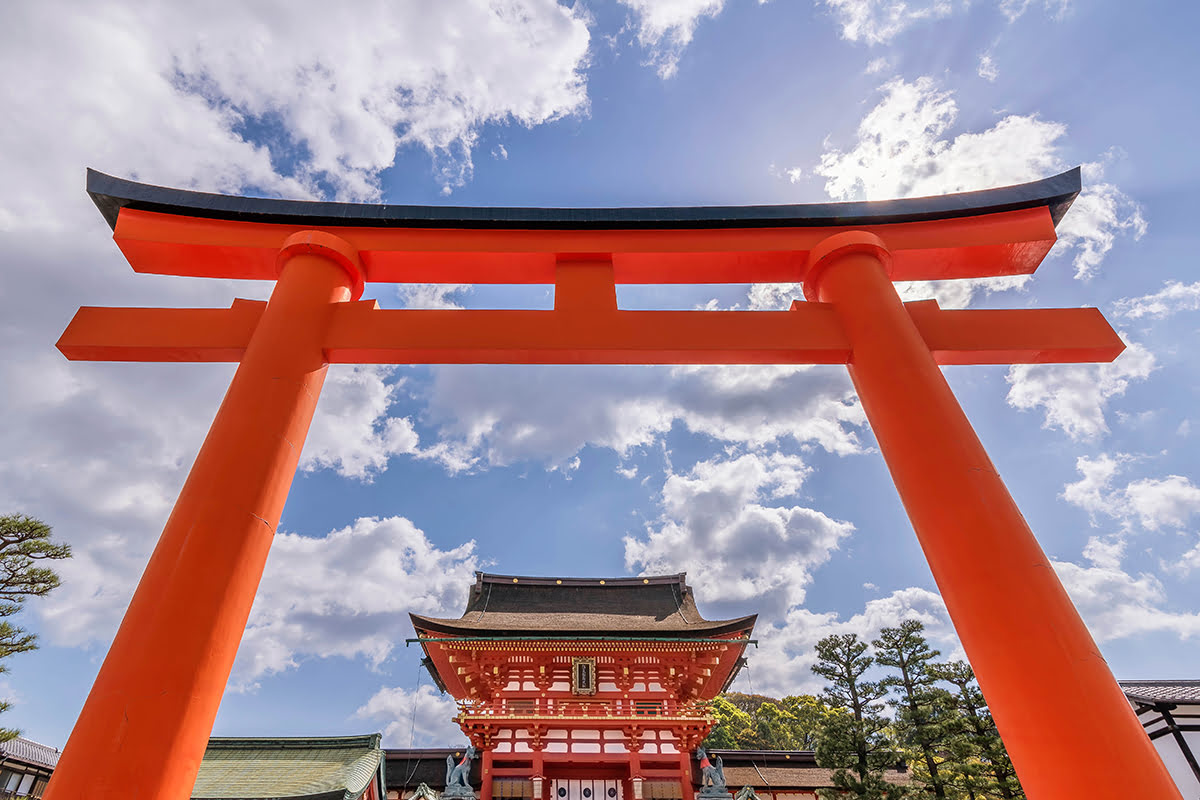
(111, 194)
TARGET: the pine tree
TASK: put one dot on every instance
(997, 778)
(24, 541)
(926, 717)
(854, 743)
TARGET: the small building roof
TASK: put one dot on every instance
(301, 768)
(515, 605)
(30, 752)
(1165, 691)
(782, 770)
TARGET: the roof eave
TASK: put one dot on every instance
(111, 194)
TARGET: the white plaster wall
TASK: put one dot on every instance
(1177, 765)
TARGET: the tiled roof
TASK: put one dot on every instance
(1162, 691)
(779, 770)
(30, 752)
(333, 768)
(516, 605)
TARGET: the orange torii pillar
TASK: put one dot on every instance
(142, 732)
(150, 712)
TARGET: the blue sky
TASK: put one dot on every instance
(764, 484)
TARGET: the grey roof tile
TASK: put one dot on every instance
(30, 752)
(1165, 691)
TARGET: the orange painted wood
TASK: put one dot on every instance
(1015, 336)
(161, 334)
(810, 333)
(146, 722)
(1007, 243)
(1069, 729)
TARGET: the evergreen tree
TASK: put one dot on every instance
(854, 743)
(758, 722)
(24, 542)
(809, 715)
(734, 729)
(994, 775)
(927, 720)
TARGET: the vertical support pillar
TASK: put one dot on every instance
(485, 774)
(145, 725)
(1067, 726)
(685, 767)
(632, 785)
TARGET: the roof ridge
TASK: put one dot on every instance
(31, 741)
(679, 578)
(371, 739)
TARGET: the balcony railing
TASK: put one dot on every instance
(581, 707)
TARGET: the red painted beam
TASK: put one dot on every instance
(1005, 243)
(161, 334)
(807, 334)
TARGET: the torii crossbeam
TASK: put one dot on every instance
(143, 729)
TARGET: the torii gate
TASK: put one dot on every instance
(142, 732)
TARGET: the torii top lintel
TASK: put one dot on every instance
(585, 253)
(1005, 231)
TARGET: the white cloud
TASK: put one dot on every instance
(1164, 502)
(499, 415)
(1074, 397)
(1151, 503)
(1100, 214)
(878, 21)
(413, 719)
(782, 664)
(348, 594)
(1093, 492)
(876, 65)
(176, 94)
(1173, 297)
(351, 431)
(666, 27)
(905, 148)
(431, 295)
(987, 67)
(1115, 604)
(717, 527)
(1013, 9)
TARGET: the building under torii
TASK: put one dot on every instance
(584, 689)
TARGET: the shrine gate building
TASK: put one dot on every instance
(584, 689)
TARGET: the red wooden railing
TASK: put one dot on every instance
(558, 707)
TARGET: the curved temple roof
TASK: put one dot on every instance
(111, 194)
(507, 605)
